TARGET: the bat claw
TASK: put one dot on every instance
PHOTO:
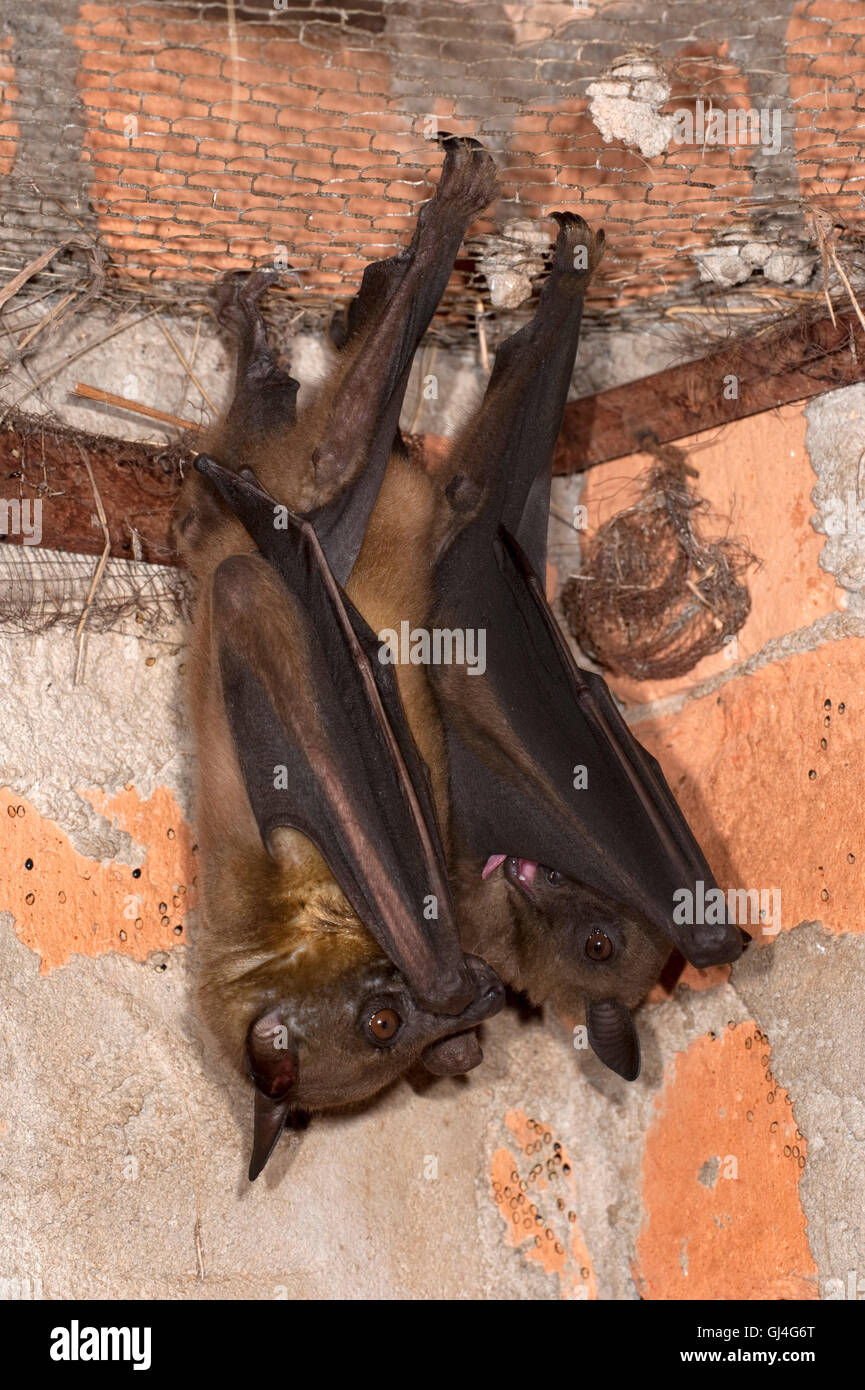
(575, 234)
(239, 292)
(468, 180)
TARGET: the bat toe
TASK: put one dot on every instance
(579, 249)
(469, 180)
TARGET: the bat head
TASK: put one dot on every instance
(333, 1023)
(570, 944)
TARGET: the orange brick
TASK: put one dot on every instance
(327, 79)
(205, 130)
(380, 207)
(193, 61)
(218, 149)
(243, 111)
(100, 61)
(175, 144)
(174, 110)
(402, 144)
(256, 134)
(117, 224)
(402, 191)
(365, 187)
(210, 179)
(340, 139)
(305, 170)
(393, 222)
(190, 212)
(213, 89)
(138, 80)
(368, 60)
(296, 119)
(374, 83)
(279, 187)
(110, 101)
(187, 163)
(238, 199)
(312, 153)
(105, 139)
(337, 222)
(345, 103)
(386, 120)
(285, 54)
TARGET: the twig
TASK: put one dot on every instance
(696, 592)
(848, 287)
(189, 372)
(55, 371)
(11, 288)
(45, 320)
(103, 559)
(95, 393)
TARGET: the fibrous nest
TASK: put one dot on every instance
(654, 596)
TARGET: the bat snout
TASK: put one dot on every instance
(719, 945)
(459, 1050)
(489, 995)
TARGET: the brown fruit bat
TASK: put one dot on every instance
(570, 844)
(331, 961)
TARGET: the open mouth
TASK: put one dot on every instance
(520, 872)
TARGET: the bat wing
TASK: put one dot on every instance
(322, 740)
(545, 767)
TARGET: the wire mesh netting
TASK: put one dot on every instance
(718, 150)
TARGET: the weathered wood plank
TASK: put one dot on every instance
(788, 363)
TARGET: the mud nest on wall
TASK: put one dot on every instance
(654, 596)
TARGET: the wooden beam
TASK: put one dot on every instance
(138, 484)
(789, 362)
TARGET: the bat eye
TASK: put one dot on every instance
(384, 1025)
(554, 877)
(599, 946)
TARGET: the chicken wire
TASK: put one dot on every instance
(187, 140)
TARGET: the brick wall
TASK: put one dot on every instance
(9, 130)
(205, 141)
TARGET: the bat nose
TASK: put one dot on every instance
(489, 990)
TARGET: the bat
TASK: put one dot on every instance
(331, 961)
(570, 843)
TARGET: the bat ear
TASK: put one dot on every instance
(272, 1061)
(613, 1037)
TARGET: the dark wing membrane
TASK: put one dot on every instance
(622, 833)
(304, 691)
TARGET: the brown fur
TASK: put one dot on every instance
(280, 929)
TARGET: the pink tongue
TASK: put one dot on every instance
(527, 869)
(492, 864)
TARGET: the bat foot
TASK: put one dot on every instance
(238, 295)
(469, 180)
(579, 250)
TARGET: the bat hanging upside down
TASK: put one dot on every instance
(382, 845)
